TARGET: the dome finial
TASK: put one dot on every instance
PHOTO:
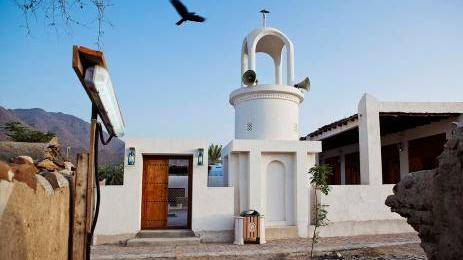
(264, 17)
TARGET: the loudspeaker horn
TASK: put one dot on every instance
(249, 78)
(305, 84)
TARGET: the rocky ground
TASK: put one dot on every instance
(397, 246)
(399, 252)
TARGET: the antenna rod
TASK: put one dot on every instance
(264, 17)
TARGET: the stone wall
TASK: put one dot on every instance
(33, 224)
(10, 149)
(34, 209)
(432, 202)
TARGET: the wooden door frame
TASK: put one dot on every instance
(188, 157)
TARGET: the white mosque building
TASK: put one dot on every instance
(166, 193)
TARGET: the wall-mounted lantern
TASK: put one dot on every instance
(200, 156)
(131, 156)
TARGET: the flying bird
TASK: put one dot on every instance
(183, 12)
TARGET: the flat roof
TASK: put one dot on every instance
(390, 122)
(331, 126)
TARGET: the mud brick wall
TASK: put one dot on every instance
(34, 214)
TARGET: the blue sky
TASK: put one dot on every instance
(174, 81)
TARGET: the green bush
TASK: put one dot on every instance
(214, 154)
(112, 174)
(319, 181)
(20, 133)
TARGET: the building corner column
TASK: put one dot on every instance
(255, 181)
(304, 162)
(369, 141)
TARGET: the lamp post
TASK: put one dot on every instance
(92, 71)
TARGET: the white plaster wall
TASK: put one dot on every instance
(216, 181)
(273, 111)
(120, 211)
(358, 203)
(369, 141)
(360, 210)
(247, 163)
(422, 107)
(213, 210)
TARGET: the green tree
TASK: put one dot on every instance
(20, 133)
(215, 153)
(113, 174)
(319, 181)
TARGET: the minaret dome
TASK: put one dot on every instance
(267, 111)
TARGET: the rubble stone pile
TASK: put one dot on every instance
(432, 202)
(52, 168)
(35, 206)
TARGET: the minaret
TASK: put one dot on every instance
(266, 164)
(267, 111)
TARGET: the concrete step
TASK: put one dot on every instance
(280, 232)
(176, 241)
(174, 233)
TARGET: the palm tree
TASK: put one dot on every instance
(215, 153)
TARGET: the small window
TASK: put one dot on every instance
(249, 126)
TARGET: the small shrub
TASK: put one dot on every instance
(20, 133)
(319, 181)
(214, 154)
(112, 174)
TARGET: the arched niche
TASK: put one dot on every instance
(271, 42)
(276, 192)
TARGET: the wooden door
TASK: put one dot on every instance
(335, 164)
(155, 193)
(352, 168)
(390, 158)
(423, 152)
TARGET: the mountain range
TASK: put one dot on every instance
(70, 130)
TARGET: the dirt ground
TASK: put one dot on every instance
(408, 251)
(379, 247)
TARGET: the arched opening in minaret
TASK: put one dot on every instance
(275, 44)
(265, 68)
(275, 69)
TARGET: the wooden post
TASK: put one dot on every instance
(79, 231)
(91, 176)
(82, 59)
